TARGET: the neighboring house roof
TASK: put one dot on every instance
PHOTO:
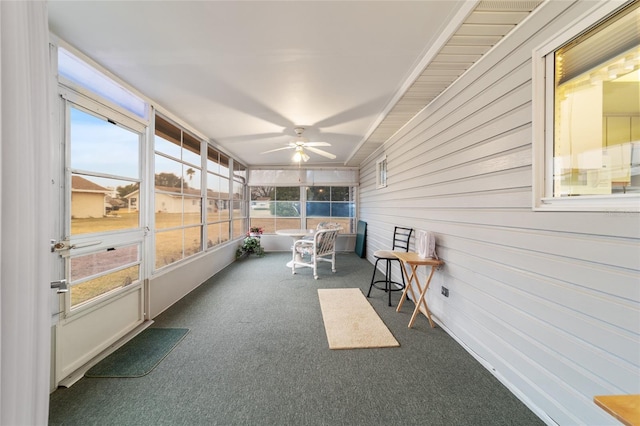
(189, 191)
(132, 193)
(173, 191)
(80, 184)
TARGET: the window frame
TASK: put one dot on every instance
(303, 217)
(239, 222)
(331, 204)
(184, 227)
(217, 172)
(543, 92)
(381, 172)
(87, 243)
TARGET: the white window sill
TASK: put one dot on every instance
(623, 203)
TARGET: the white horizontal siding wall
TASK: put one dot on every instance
(549, 301)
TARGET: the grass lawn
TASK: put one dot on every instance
(171, 246)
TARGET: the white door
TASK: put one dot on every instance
(101, 244)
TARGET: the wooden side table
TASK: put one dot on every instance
(413, 260)
(625, 408)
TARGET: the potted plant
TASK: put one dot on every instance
(251, 244)
(254, 231)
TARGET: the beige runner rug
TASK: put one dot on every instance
(351, 322)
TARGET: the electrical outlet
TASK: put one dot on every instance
(444, 291)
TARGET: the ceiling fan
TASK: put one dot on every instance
(301, 144)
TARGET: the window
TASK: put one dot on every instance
(178, 194)
(291, 198)
(239, 209)
(293, 207)
(331, 204)
(98, 273)
(105, 169)
(591, 92)
(274, 208)
(381, 172)
(218, 208)
(79, 73)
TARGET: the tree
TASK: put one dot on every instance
(169, 180)
(262, 192)
(123, 191)
(288, 193)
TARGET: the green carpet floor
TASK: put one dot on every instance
(257, 354)
(139, 355)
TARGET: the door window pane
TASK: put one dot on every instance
(101, 147)
(97, 205)
(97, 148)
(105, 260)
(93, 288)
(97, 273)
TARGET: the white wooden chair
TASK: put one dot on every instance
(321, 249)
(321, 226)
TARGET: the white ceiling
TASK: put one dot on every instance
(246, 73)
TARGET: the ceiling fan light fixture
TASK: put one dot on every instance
(300, 155)
(299, 144)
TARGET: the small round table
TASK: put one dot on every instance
(295, 234)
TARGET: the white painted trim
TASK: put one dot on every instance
(100, 106)
(599, 11)
(542, 118)
(456, 21)
(60, 42)
(381, 179)
(79, 373)
(152, 104)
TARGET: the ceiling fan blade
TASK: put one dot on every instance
(321, 152)
(317, 144)
(277, 149)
